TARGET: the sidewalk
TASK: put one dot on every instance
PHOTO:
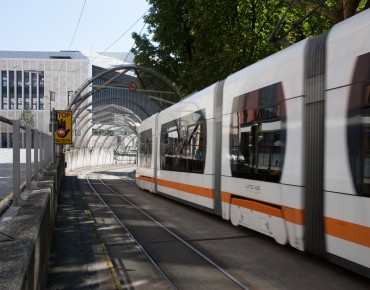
(78, 259)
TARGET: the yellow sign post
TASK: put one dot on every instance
(63, 133)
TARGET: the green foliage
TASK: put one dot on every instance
(26, 118)
(198, 42)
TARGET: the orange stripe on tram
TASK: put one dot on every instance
(348, 231)
(145, 178)
(293, 215)
(197, 190)
(337, 228)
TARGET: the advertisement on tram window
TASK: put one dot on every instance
(63, 129)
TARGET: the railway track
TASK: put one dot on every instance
(156, 243)
(180, 264)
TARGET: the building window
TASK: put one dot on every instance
(19, 97)
(11, 90)
(14, 83)
(4, 89)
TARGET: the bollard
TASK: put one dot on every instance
(28, 156)
(16, 162)
(36, 153)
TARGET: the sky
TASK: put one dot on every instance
(83, 25)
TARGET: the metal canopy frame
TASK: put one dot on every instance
(108, 117)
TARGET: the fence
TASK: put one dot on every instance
(26, 152)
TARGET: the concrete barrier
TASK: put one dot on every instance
(26, 241)
(90, 157)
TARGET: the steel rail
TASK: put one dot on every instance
(177, 237)
(131, 235)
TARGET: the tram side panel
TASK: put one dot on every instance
(185, 163)
(262, 175)
(347, 145)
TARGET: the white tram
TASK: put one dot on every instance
(281, 147)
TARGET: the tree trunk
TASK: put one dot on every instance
(349, 8)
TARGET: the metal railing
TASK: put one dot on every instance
(24, 153)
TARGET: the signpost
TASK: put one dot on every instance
(63, 133)
(132, 86)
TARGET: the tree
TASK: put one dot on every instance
(26, 118)
(170, 51)
(335, 10)
(196, 43)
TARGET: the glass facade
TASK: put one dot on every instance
(22, 90)
(118, 94)
(28, 77)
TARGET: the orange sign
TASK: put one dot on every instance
(63, 130)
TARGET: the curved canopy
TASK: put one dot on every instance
(108, 108)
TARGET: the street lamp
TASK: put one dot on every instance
(52, 98)
(70, 95)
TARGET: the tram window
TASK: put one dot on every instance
(366, 157)
(145, 155)
(257, 134)
(183, 144)
(359, 152)
(358, 128)
(366, 143)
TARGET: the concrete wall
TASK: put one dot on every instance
(89, 157)
(26, 242)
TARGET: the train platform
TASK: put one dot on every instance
(78, 259)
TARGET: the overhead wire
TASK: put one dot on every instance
(74, 34)
(126, 31)
(114, 42)
(134, 43)
(78, 23)
(92, 59)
